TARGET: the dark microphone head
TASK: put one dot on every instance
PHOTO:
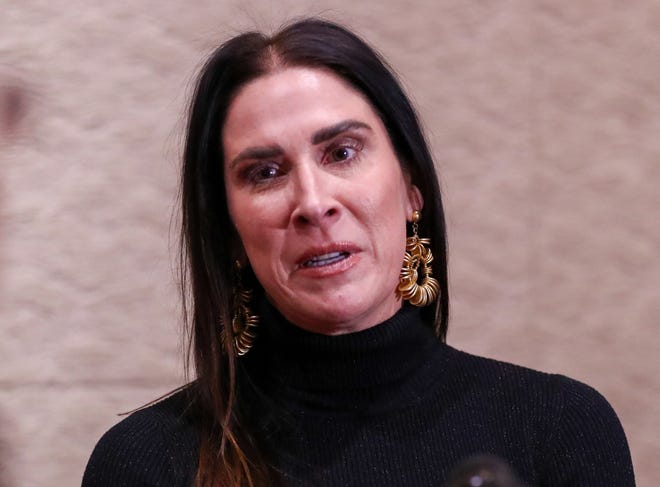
(483, 471)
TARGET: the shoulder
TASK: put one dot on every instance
(503, 377)
(153, 446)
(577, 433)
(586, 440)
(556, 399)
(481, 376)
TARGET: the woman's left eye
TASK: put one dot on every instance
(343, 153)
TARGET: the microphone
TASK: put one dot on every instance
(483, 471)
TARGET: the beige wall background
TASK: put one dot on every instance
(544, 117)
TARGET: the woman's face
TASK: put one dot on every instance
(318, 198)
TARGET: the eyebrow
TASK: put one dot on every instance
(264, 152)
(328, 133)
(321, 135)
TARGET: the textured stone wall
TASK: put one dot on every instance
(544, 117)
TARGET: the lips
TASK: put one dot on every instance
(326, 255)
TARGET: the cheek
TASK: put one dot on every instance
(261, 245)
(391, 202)
(240, 211)
(385, 212)
(256, 221)
(397, 210)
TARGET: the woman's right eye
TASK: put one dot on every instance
(262, 173)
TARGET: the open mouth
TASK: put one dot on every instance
(326, 259)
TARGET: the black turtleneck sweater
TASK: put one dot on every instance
(387, 406)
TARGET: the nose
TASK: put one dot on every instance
(314, 199)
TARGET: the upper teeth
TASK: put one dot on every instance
(326, 256)
(322, 258)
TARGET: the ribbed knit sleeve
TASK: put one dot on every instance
(586, 445)
(152, 447)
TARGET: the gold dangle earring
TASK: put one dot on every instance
(243, 323)
(417, 255)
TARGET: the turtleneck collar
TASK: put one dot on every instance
(380, 367)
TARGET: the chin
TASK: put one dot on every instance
(345, 317)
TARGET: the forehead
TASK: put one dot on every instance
(292, 82)
(296, 98)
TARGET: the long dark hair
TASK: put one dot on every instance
(229, 453)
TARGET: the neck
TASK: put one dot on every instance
(344, 322)
(346, 370)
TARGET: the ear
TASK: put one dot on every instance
(415, 200)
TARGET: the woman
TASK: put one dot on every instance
(319, 356)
